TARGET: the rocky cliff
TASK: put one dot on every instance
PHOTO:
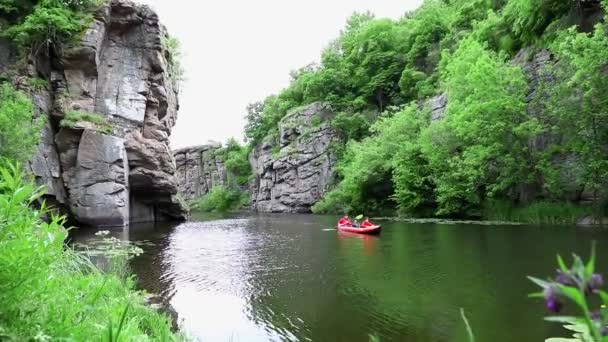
(121, 170)
(199, 168)
(293, 170)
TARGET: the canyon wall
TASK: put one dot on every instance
(122, 170)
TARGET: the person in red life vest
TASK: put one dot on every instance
(345, 221)
(366, 223)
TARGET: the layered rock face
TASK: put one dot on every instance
(120, 71)
(199, 169)
(294, 170)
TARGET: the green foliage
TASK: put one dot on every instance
(580, 104)
(173, 55)
(486, 147)
(486, 129)
(351, 126)
(368, 165)
(237, 162)
(528, 19)
(72, 119)
(50, 292)
(219, 199)
(19, 130)
(51, 23)
(538, 212)
(37, 83)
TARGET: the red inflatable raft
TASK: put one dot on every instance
(366, 230)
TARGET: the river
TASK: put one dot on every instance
(294, 278)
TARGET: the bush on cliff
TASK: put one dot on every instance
(219, 199)
(48, 23)
(48, 292)
(19, 131)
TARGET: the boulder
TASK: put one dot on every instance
(99, 193)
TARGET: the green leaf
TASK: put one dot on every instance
(539, 282)
(574, 295)
(604, 297)
(562, 264)
(563, 319)
(536, 295)
(590, 267)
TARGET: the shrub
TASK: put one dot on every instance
(71, 119)
(173, 55)
(52, 23)
(49, 292)
(237, 162)
(219, 199)
(539, 212)
(19, 131)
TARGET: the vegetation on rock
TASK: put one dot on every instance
(19, 129)
(72, 119)
(501, 137)
(46, 23)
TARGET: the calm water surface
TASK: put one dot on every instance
(294, 278)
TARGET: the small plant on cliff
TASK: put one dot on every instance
(51, 23)
(72, 119)
(173, 55)
(19, 130)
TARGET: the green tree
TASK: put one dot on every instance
(480, 149)
(581, 105)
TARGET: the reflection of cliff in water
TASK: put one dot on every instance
(151, 267)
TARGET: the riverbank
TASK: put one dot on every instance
(504, 213)
(49, 292)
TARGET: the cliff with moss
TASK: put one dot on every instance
(109, 94)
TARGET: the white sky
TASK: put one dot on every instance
(240, 51)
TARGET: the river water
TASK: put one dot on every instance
(294, 278)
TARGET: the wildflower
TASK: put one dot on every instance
(596, 281)
(552, 302)
(564, 278)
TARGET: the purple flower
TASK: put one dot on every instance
(552, 302)
(564, 278)
(596, 281)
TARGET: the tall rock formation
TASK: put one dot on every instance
(293, 170)
(199, 169)
(123, 171)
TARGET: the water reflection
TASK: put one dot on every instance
(294, 278)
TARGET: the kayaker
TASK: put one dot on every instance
(345, 221)
(356, 222)
(366, 223)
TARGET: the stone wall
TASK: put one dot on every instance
(293, 170)
(199, 169)
(119, 70)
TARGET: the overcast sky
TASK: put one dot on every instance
(240, 51)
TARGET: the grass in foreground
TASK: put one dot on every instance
(48, 292)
